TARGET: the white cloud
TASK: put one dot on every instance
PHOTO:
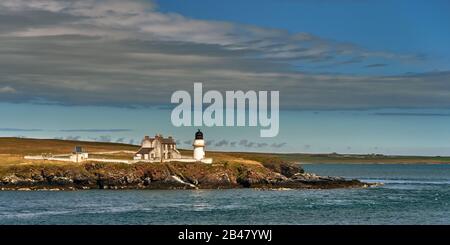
(138, 19)
(125, 53)
(7, 89)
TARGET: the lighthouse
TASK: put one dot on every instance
(199, 146)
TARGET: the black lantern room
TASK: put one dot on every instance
(199, 135)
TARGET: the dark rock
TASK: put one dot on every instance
(170, 176)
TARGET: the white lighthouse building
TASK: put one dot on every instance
(160, 149)
(199, 146)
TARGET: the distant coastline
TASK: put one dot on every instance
(335, 158)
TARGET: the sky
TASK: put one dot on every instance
(354, 76)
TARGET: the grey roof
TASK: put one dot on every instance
(167, 141)
(144, 150)
(161, 139)
(78, 149)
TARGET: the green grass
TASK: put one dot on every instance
(24, 146)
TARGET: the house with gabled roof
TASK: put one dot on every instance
(157, 149)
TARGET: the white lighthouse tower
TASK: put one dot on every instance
(199, 145)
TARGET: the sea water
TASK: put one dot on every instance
(411, 194)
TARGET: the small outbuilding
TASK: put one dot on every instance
(79, 154)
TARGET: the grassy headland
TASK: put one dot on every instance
(12, 151)
(229, 170)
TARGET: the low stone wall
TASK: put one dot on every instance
(109, 160)
(60, 159)
(186, 160)
(64, 159)
(34, 157)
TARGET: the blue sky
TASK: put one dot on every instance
(353, 76)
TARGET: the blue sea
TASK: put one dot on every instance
(411, 194)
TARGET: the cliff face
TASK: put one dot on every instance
(164, 176)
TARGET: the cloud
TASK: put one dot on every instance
(260, 145)
(21, 136)
(72, 138)
(112, 130)
(7, 89)
(221, 143)
(412, 114)
(128, 54)
(104, 138)
(375, 65)
(246, 143)
(121, 20)
(20, 129)
(278, 145)
(120, 140)
(252, 144)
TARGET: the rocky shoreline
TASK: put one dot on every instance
(167, 176)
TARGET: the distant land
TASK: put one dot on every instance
(229, 169)
(335, 158)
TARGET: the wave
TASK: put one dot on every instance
(30, 215)
(408, 181)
